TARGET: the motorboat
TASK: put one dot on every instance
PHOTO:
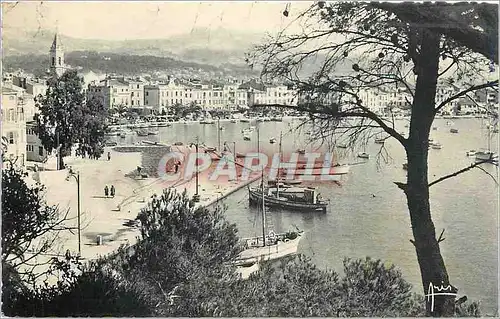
(405, 166)
(303, 199)
(272, 140)
(436, 146)
(364, 155)
(471, 153)
(379, 140)
(453, 130)
(485, 155)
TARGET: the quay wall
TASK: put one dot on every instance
(150, 156)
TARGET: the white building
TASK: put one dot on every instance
(14, 125)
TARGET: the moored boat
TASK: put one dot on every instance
(485, 155)
(471, 153)
(453, 130)
(436, 146)
(364, 155)
(142, 132)
(272, 140)
(301, 199)
(379, 140)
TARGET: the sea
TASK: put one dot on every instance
(368, 214)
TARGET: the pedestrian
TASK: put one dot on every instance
(106, 191)
(109, 156)
(176, 167)
(112, 191)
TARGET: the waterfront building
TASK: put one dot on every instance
(13, 125)
(112, 92)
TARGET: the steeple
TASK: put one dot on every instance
(57, 66)
(56, 44)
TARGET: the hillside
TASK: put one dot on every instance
(202, 45)
(123, 64)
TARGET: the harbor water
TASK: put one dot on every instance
(368, 214)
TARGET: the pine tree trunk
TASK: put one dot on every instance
(432, 267)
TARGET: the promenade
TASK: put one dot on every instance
(110, 217)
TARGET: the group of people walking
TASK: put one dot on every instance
(109, 191)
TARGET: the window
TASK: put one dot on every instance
(53, 61)
(59, 60)
(147, 93)
(132, 102)
(115, 90)
(137, 85)
(132, 94)
(11, 137)
(40, 150)
(176, 93)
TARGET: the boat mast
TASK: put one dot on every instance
(262, 189)
(218, 136)
(279, 170)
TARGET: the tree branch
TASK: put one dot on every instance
(464, 92)
(458, 172)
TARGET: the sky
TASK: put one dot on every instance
(117, 20)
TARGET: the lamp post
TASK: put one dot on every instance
(77, 178)
(196, 197)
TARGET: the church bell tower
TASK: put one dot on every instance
(57, 66)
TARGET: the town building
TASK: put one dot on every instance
(13, 125)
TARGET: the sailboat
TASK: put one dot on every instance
(487, 154)
(270, 245)
(303, 199)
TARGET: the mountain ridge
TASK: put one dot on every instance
(202, 45)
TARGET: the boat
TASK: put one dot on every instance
(435, 128)
(148, 142)
(436, 146)
(164, 124)
(363, 155)
(303, 199)
(343, 145)
(471, 153)
(142, 132)
(405, 166)
(246, 137)
(301, 151)
(233, 121)
(488, 156)
(152, 132)
(277, 119)
(207, 121)
(453, 130)
(379, 140)
(178, 143)
(334, 172)
(245, 120)
(268, 246)
(272, 140)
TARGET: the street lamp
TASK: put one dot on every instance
(76, 175)
(196, 197)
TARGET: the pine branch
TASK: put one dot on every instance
(458, 172)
